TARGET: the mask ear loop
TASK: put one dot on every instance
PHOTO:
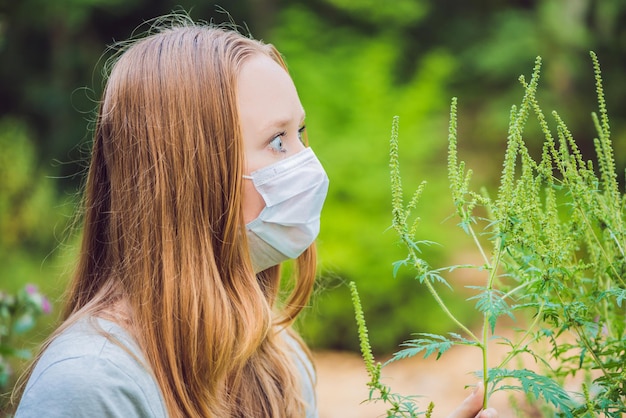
(246, 177)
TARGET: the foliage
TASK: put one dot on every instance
(18, 315)
(352, 245)
(24, 195)
(355, 65)
(399, 13)
(401, 406)
(30, 210)
(552, 248)
(359, 69)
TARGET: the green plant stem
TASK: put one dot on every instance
(585, 341)
(494, 268)
(515, 290)
(600, 246)
(606, 256)
(607, 317)
(515, 348)
(438, 299)
(450, 315)
(484, 346)
(619, 246)
(480, 247)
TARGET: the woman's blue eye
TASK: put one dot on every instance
(277, 143)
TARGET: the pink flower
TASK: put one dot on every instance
(31, 289)
(46, 307)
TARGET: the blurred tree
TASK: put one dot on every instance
(26, 198)
(48, 54)
(32, 213)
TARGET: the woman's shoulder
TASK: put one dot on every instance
(92, 336)
(306, 370)
(92, 368)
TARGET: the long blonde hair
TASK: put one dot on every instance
(164, 232)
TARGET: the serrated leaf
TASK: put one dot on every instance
(433, 277)
(492, 305)
(620, 296)
(535, 384)
(430, 344)
(397, 265)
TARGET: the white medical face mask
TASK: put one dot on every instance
(294, 190)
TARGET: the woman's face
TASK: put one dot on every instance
(272, 122)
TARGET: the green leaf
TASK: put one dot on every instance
(620, 296)
(24, 323)
(8, 351)
(433, 277)
(430, 344)
(535, 384)
(397, 265)
(491, 303)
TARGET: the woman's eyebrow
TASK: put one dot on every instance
(281, 123)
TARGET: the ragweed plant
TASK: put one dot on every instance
(554, 256)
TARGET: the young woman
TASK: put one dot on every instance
(200, 185)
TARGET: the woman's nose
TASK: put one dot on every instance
(297, 147)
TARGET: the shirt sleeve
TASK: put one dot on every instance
(86, 386)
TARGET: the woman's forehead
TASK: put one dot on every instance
(266, 95)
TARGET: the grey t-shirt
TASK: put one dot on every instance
(84, 374)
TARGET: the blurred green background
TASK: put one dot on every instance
(356, 63)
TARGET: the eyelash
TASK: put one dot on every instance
(279, 147)
(301, 133)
